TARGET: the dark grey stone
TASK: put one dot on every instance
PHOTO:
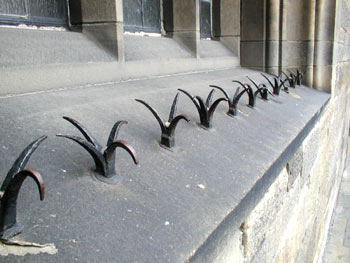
(174, 203)
(252, 20)
(299, 53)
(295, 167)
(252, 53)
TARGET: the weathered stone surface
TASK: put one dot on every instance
(186, 25)
(230, 18)
(175, 206)
(311, 147)
(85, 11)
(253, 21)
(106, 35)
(300, 20)
(253, 54)
(297, 53)
(294, 168)
(186, 15)
(233, 43)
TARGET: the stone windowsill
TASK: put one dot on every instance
(169, 205)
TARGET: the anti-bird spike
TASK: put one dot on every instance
(205, 109)
(251, 94)
(10, 189)
(277, 85)
(104, 157)
(167, 128)
(291, 79)
(300, 75)
(263, 90)
(232, 102)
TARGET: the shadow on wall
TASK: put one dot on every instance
(102, 34)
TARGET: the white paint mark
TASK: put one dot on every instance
(201, 186)
(18, 250)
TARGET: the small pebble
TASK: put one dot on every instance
(201, 186)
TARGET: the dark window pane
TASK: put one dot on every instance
(13, 7)
(141, 15)
(132, 10)
(39, 12)
(48, 8)
(151, 14)
(205, 18)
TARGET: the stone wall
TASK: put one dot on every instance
(290, 223)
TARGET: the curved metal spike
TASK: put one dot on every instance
(92, 150)
(213, 107)
(115, 131)
(155, 114)
(239, 82)
(86, 133)
(258, 91)
(222, 90)
(173, 124)
(287, 77)
(123, 144)
(237, 93)
(237, 97)
(22, 160)
(299, 76)
(209, 98)
(267, 79)
(192, 98)
(256, 85)
(173, 108)
(292, 74)
(8, 207)
(203, 112)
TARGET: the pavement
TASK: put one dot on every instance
(338, 242)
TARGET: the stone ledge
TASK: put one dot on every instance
(175, 206)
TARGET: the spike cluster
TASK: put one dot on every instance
(104, 157)
(232, 102)
(205, 109)
(167, 128)
(277, 83)
(10, 189)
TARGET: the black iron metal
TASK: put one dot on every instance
(277, 84)
(167, 128)
(263, 90)
(104, 157)
(232, 102)
(205, 109)
(10, 189)
(251, 94)
(291, 79)
(299, 76)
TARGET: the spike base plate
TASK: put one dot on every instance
(115, 179)
(11, 232)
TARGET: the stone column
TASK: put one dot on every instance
(226, 23)
(101, 21)
(272, 36)
(324, 44)
(298, 29)
(186, 24)
(253, 37)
